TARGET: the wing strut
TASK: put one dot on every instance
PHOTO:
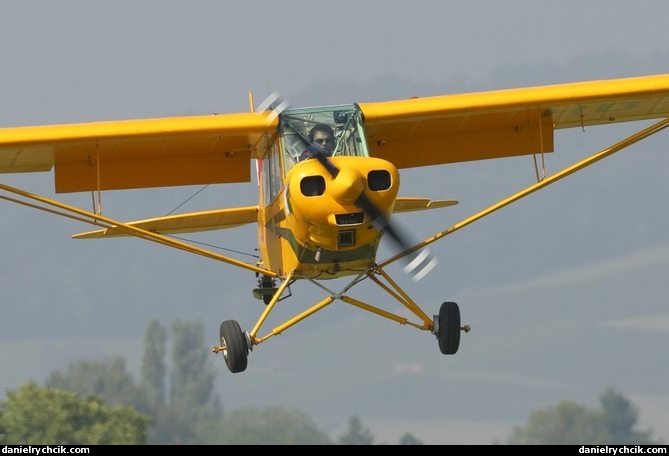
(643, 134)
(99, 220)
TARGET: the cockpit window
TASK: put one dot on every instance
(300, 128)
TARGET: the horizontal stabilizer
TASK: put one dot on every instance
(184, 223)
(409, 204)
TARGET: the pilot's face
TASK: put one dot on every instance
(324, 142)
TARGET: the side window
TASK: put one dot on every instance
(266, 184)
(275, 171)
(348, 135)
(293, 144)
(272, 176)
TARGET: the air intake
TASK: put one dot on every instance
(350, 219)
(378, 180)
(346, 238)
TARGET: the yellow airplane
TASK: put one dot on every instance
(328, 180)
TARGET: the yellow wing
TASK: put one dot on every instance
(199, 150)
(185, 223)
(504, 123)
(144, 153)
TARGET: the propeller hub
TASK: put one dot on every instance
(347, 186)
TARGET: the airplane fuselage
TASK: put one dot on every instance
(314, 217)
(314, 226)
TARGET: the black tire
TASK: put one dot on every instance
(236, 350)
(449, 328)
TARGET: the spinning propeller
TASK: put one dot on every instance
(419, 263)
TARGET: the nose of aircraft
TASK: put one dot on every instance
(322, 195)
(347, 186)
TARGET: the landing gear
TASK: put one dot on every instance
(236, 349)
(266, 289)
(236, 344)
(447, 328)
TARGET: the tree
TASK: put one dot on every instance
(619, 417)
(192, 379)
(36, 415)
(191, 401)
(567, 423)
(269, 426)
(409, 439)
(570, 423)
(171, 427)
(107, 378)
(154, 369)
(357, 434)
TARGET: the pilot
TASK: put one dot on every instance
(321, 137)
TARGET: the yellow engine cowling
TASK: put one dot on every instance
(324, 206)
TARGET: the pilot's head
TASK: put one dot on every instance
(322, 136)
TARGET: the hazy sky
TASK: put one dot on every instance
(566, 292)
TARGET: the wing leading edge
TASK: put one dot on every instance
(504, 123)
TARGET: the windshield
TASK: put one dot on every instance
(301, 127)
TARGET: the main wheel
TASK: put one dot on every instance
(449, 328)
(236, 349)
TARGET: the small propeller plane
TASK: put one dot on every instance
(328, 181)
